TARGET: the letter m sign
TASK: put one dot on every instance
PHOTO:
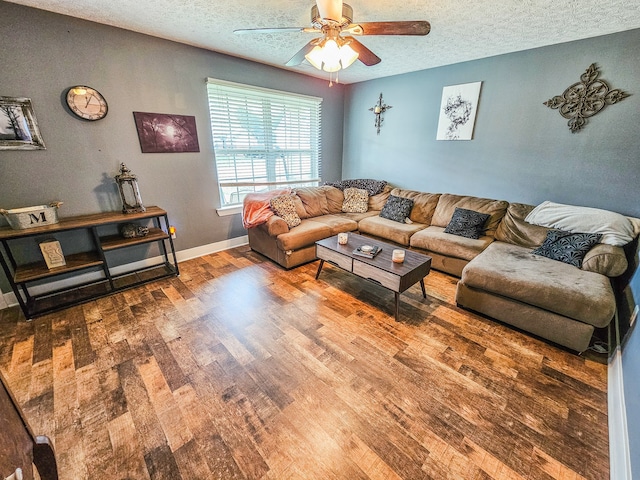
(37, 218)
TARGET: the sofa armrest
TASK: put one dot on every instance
(276, 225)
(605, 259)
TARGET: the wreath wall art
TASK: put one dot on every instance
(458, 111)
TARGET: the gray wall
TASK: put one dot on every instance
(43, 54)
(522, 151)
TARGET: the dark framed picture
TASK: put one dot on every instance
(18, 125)
(165, 133)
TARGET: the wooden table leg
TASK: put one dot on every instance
(397, 306)
(424, 292)
(319, 268)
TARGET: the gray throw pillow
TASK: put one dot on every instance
(567, 247)
(397, 208)
(467, 223)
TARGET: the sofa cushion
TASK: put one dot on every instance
(356, 200)
(356, 217)
(567, 247)
(337, 223)
(514, 272)
(424, 204)
(397, 208)
(300, 210)
(391, 230)
(335, 197)
(447, 204)
(436, 240)
(314, 200)
(607, 260)
(513, 228)
(284, 207)
(467, 223)
(377, 201)
(307, 233)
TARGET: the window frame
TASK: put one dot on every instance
(272, 145)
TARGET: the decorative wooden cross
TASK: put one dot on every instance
(379, 109)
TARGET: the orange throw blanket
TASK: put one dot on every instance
(256, 208)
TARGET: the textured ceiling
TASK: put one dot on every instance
(461, 30)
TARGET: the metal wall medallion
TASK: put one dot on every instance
(585, 98)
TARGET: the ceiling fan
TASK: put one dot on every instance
(337, 48)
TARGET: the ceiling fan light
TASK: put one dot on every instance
(315, 57)
(347, 55)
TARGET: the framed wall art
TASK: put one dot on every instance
(165, 133)
(458, 111)
(18, 125)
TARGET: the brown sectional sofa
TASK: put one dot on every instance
(320, 209)
(499, 276)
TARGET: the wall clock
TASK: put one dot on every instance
(87, 102)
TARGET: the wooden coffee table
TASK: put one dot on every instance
(397, 277)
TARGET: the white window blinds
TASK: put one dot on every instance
(263, 139)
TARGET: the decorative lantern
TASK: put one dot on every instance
(129, 191)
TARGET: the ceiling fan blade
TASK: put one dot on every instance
(365, 55)
(417, 27)
(298, 58)
(242, 31)
(330, 9)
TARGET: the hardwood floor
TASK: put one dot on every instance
(239, 369)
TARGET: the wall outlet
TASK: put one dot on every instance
(634, 315)
(172, 231)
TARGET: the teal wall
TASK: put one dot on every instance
(522, 151)
(42, 54)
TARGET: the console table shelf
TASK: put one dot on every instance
(94, 262)
(38, 271)
(115, 241)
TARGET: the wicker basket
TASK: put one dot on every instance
(29, 217)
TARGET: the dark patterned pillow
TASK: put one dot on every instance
(397, 208)
(567, 247)
(467, 223)
(374, 187)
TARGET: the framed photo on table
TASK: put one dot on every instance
(52, 253)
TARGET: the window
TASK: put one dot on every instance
(263, 139)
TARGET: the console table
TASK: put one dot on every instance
(29, 280)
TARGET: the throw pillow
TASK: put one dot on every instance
(397, 208)
(356, 200)
(467, 223)
(567, 247)
(285, 208)
(374, 187)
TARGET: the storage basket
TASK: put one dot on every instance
(29, 217)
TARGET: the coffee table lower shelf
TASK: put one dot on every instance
(380, 270)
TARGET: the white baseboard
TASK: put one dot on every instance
(9, 299)
(619, 454)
